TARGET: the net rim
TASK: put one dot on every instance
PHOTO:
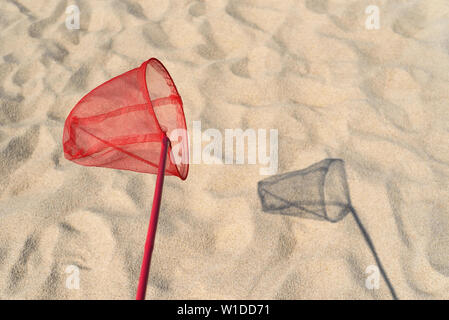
(143, 72)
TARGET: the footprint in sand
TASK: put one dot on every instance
(18, 150)
(82, 245)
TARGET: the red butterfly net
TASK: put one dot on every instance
(121, 123)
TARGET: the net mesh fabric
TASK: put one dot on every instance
(120, 124)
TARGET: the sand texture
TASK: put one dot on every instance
(377, 99)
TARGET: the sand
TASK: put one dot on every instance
(310, 69)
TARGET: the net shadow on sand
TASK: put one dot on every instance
(319, 192)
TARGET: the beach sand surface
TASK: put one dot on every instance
(310, 69)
